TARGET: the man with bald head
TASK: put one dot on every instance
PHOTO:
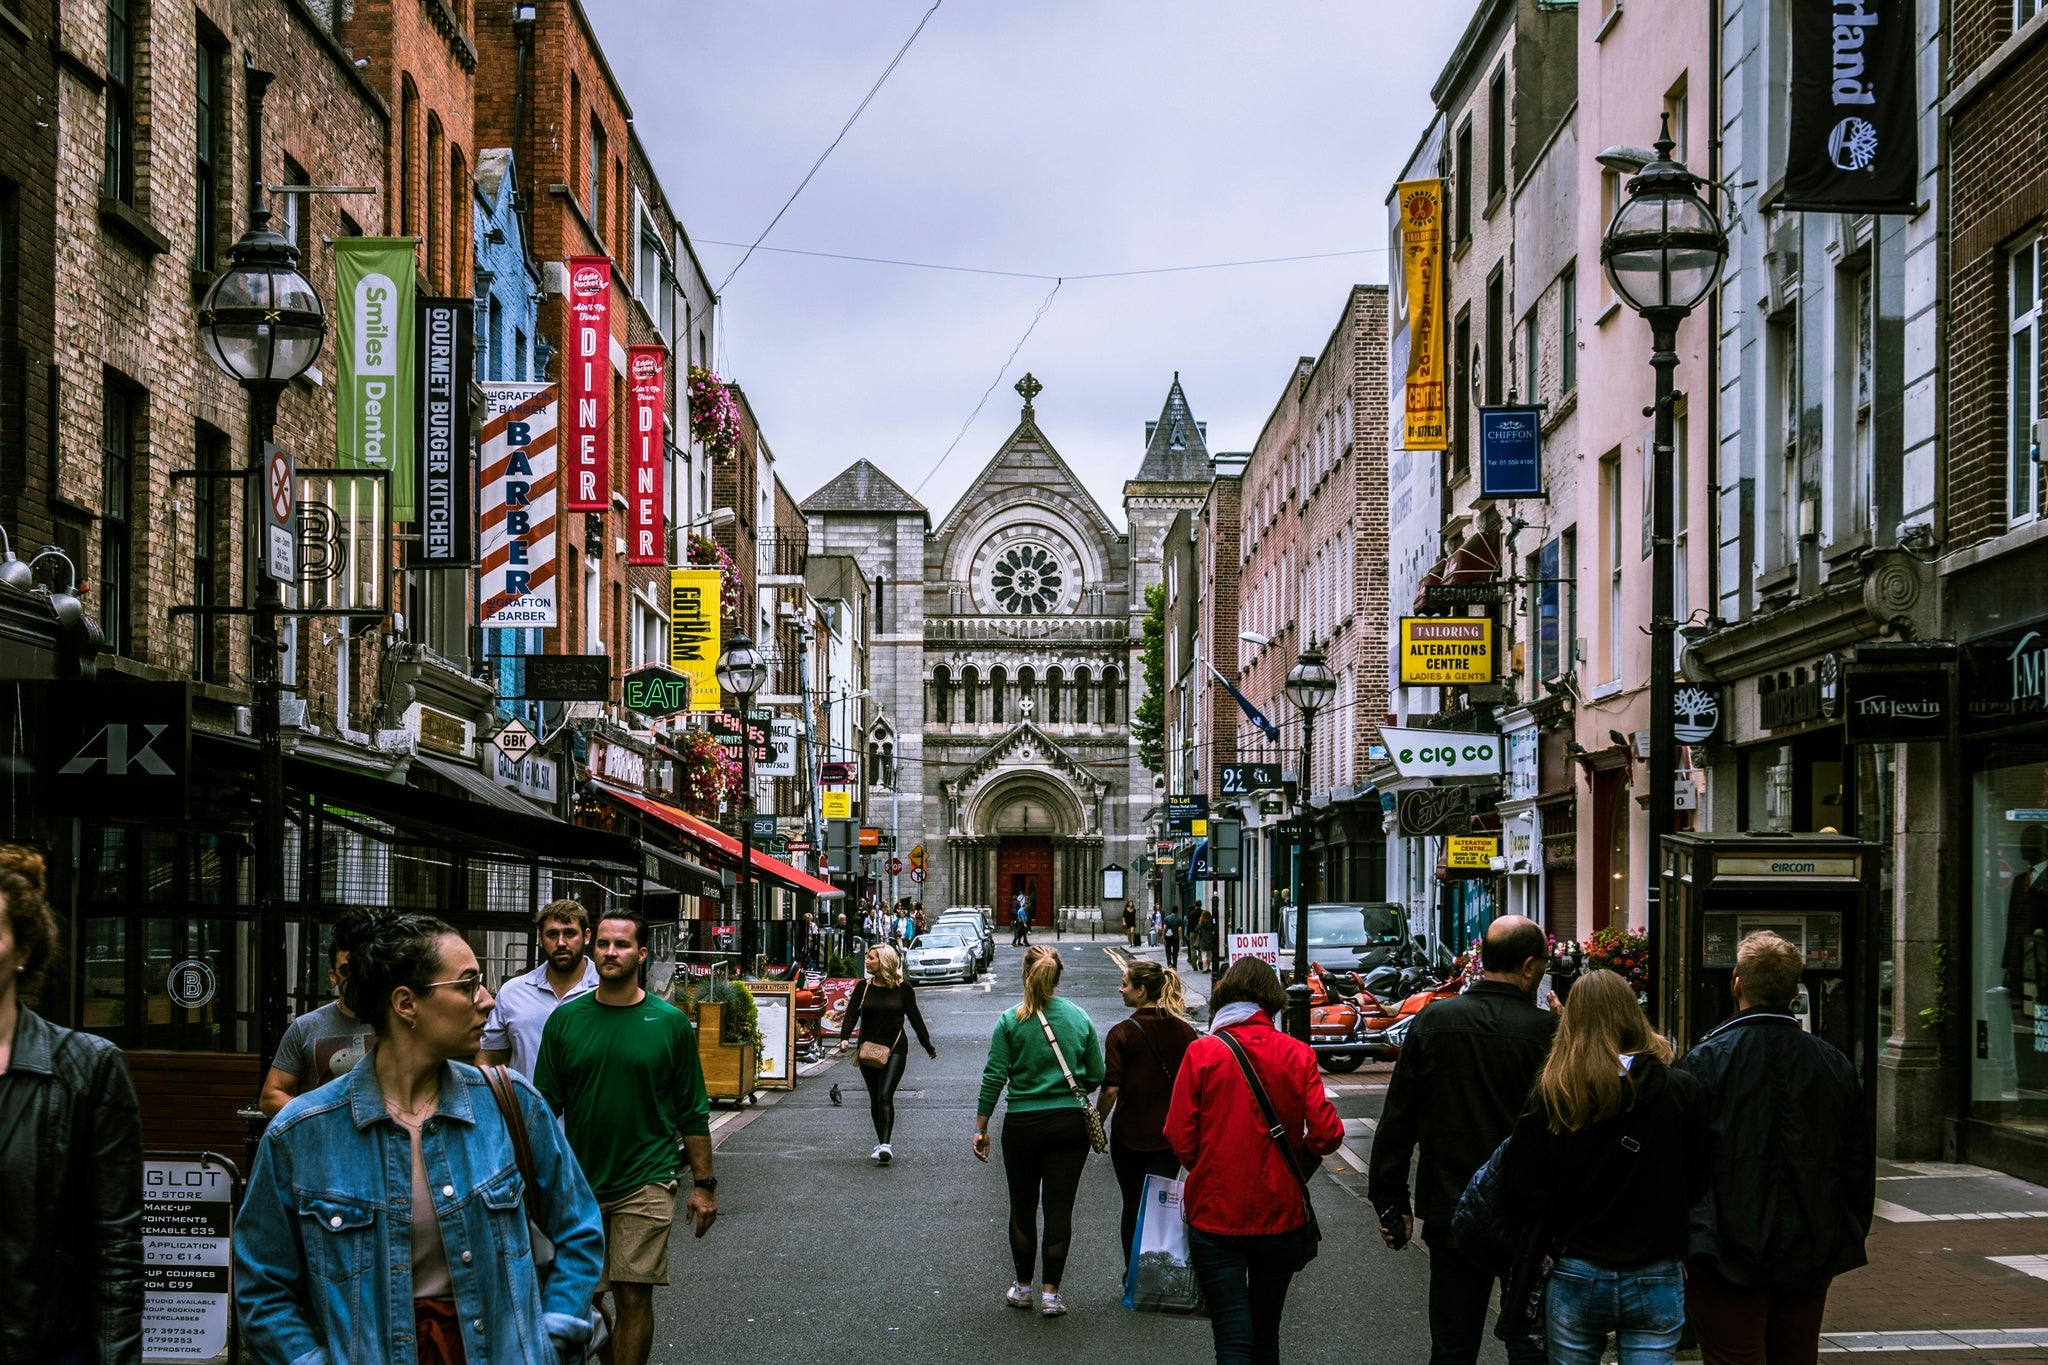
(1457, 1090)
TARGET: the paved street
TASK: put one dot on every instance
(820, 1255)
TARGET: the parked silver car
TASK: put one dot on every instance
(971, 923)
(939, 955)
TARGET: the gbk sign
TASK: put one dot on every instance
(120, 748)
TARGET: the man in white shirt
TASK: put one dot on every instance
(512, 1034)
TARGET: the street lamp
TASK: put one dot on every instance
(263, 326)
(1663, 254)
(1310, 686)
(742, 671)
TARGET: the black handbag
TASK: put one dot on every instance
(1309, 1237)
(1527, 1281)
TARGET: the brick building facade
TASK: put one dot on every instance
(28, 225)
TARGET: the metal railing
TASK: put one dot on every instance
(1060, 629)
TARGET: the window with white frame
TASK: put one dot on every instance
(2023, 500)
(1863, 383)
(1782, 343)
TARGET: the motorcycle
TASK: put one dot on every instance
(1353, 1021)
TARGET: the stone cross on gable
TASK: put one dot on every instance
(1026, 706)
(1030, 388)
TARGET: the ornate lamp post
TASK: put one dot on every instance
(1310, 686)
(262, 325)
(1663, 254)
(742, 671)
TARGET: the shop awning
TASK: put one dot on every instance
(475, 783)
(1476, 561)
(719, 841)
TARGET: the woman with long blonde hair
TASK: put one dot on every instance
(879, 1010)
(1608, 1159)
(1141, 1058)
(1035, 1049)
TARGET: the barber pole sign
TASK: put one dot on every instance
(516, 508)
(587, 386)
(646, 446)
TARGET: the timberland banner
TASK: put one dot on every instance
(693, 602)
(1427, 415)
(373, 369)
(1851, 145)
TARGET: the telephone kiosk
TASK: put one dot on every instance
(1817, 890)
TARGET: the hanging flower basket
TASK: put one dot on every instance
(1625, 954)
(714, 416)
(707, 553)
(706, 777)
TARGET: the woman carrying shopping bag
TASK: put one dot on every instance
(1606, 1163)
(1251, 1224)
(879, 1009)
(1047, 1054)
(1142, 1056)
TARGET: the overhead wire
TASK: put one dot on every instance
(1041, 275)
(843, 131)
(962, 433)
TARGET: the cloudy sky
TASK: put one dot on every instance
(1054, 138)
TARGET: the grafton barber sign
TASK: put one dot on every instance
(1852, 146)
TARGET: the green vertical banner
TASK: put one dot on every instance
(374, 380)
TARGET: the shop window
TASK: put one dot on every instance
(2007, 994)
(103, 948)
(2023, 500)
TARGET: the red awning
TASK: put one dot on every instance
(722, 843)
(1476, 561)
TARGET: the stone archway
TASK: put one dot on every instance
(1026, 830)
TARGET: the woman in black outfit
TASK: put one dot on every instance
(1611, 1154)
(878, 1010)
(1141, 1059)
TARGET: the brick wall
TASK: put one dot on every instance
(1998, 179)
(128, 288)
(28, 220)
(1266, 587)
(1222, 524)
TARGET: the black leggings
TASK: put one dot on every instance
(882, 1082)
(1132, 1166)
(1043, 1147)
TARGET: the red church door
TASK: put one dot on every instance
(1025, 865)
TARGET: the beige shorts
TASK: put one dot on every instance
(636, 1235)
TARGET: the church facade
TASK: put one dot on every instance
(1004, 662)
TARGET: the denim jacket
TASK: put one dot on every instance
(323, 1250)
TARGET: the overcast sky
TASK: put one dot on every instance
(1055, 137)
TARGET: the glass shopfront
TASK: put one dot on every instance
(2009, 928)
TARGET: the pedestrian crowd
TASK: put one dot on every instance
(460, 1175)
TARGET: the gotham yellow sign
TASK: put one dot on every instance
(1422, 235)
(1446, 651)
(693, 633)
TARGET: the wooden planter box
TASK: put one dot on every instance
(731, 1070)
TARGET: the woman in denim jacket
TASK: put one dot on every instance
(386, 1218)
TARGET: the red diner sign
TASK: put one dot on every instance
(587, 374)
(646, 531)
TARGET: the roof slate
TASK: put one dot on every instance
(862, 488)
(1177, 451)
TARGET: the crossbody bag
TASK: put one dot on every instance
(1310, 1233)
(505, 1091)
(1098, 1138)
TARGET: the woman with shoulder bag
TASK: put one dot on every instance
(1141, 1057)
(1606, 1163)
(1250, 1223)
(390, 1203)
(1046, 1053)
(878, 1010)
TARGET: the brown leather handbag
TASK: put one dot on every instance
(874, 1056)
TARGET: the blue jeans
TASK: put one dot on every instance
(1244, 1282)
(1644, 1307)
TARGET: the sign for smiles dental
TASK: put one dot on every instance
(373, 409)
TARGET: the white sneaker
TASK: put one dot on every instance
(1019, 1296)
(884, 1154)
(1052, 1305)
(876, 1155)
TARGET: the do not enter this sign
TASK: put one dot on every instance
(917, 874)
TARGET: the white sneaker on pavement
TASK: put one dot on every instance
(1052, 1305)
(884, 1154)
(1019, 1296)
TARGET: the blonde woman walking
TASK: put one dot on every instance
(879, 1009)
(1036, 1047)
(1608, 1159)
(1142, 1056)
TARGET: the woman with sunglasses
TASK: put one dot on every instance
(387, 1206)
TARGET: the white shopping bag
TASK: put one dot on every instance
(1161, 1275)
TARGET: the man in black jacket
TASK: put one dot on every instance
(1795, 1176)
(1457, 1090)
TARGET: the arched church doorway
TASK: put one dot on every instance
(1024, 826)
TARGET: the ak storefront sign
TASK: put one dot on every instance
(119, 747)
(1446, 651)
(1436, 753)
(1894, 705)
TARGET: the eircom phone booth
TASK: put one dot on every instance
(1817, 890)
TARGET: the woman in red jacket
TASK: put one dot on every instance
(1246, 1207)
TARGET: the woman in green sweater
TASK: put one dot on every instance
(1045, 1137)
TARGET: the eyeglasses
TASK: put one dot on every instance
(471, 982)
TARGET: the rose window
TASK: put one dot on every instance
(1026, 580)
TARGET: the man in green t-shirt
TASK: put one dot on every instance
(620, 1066)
